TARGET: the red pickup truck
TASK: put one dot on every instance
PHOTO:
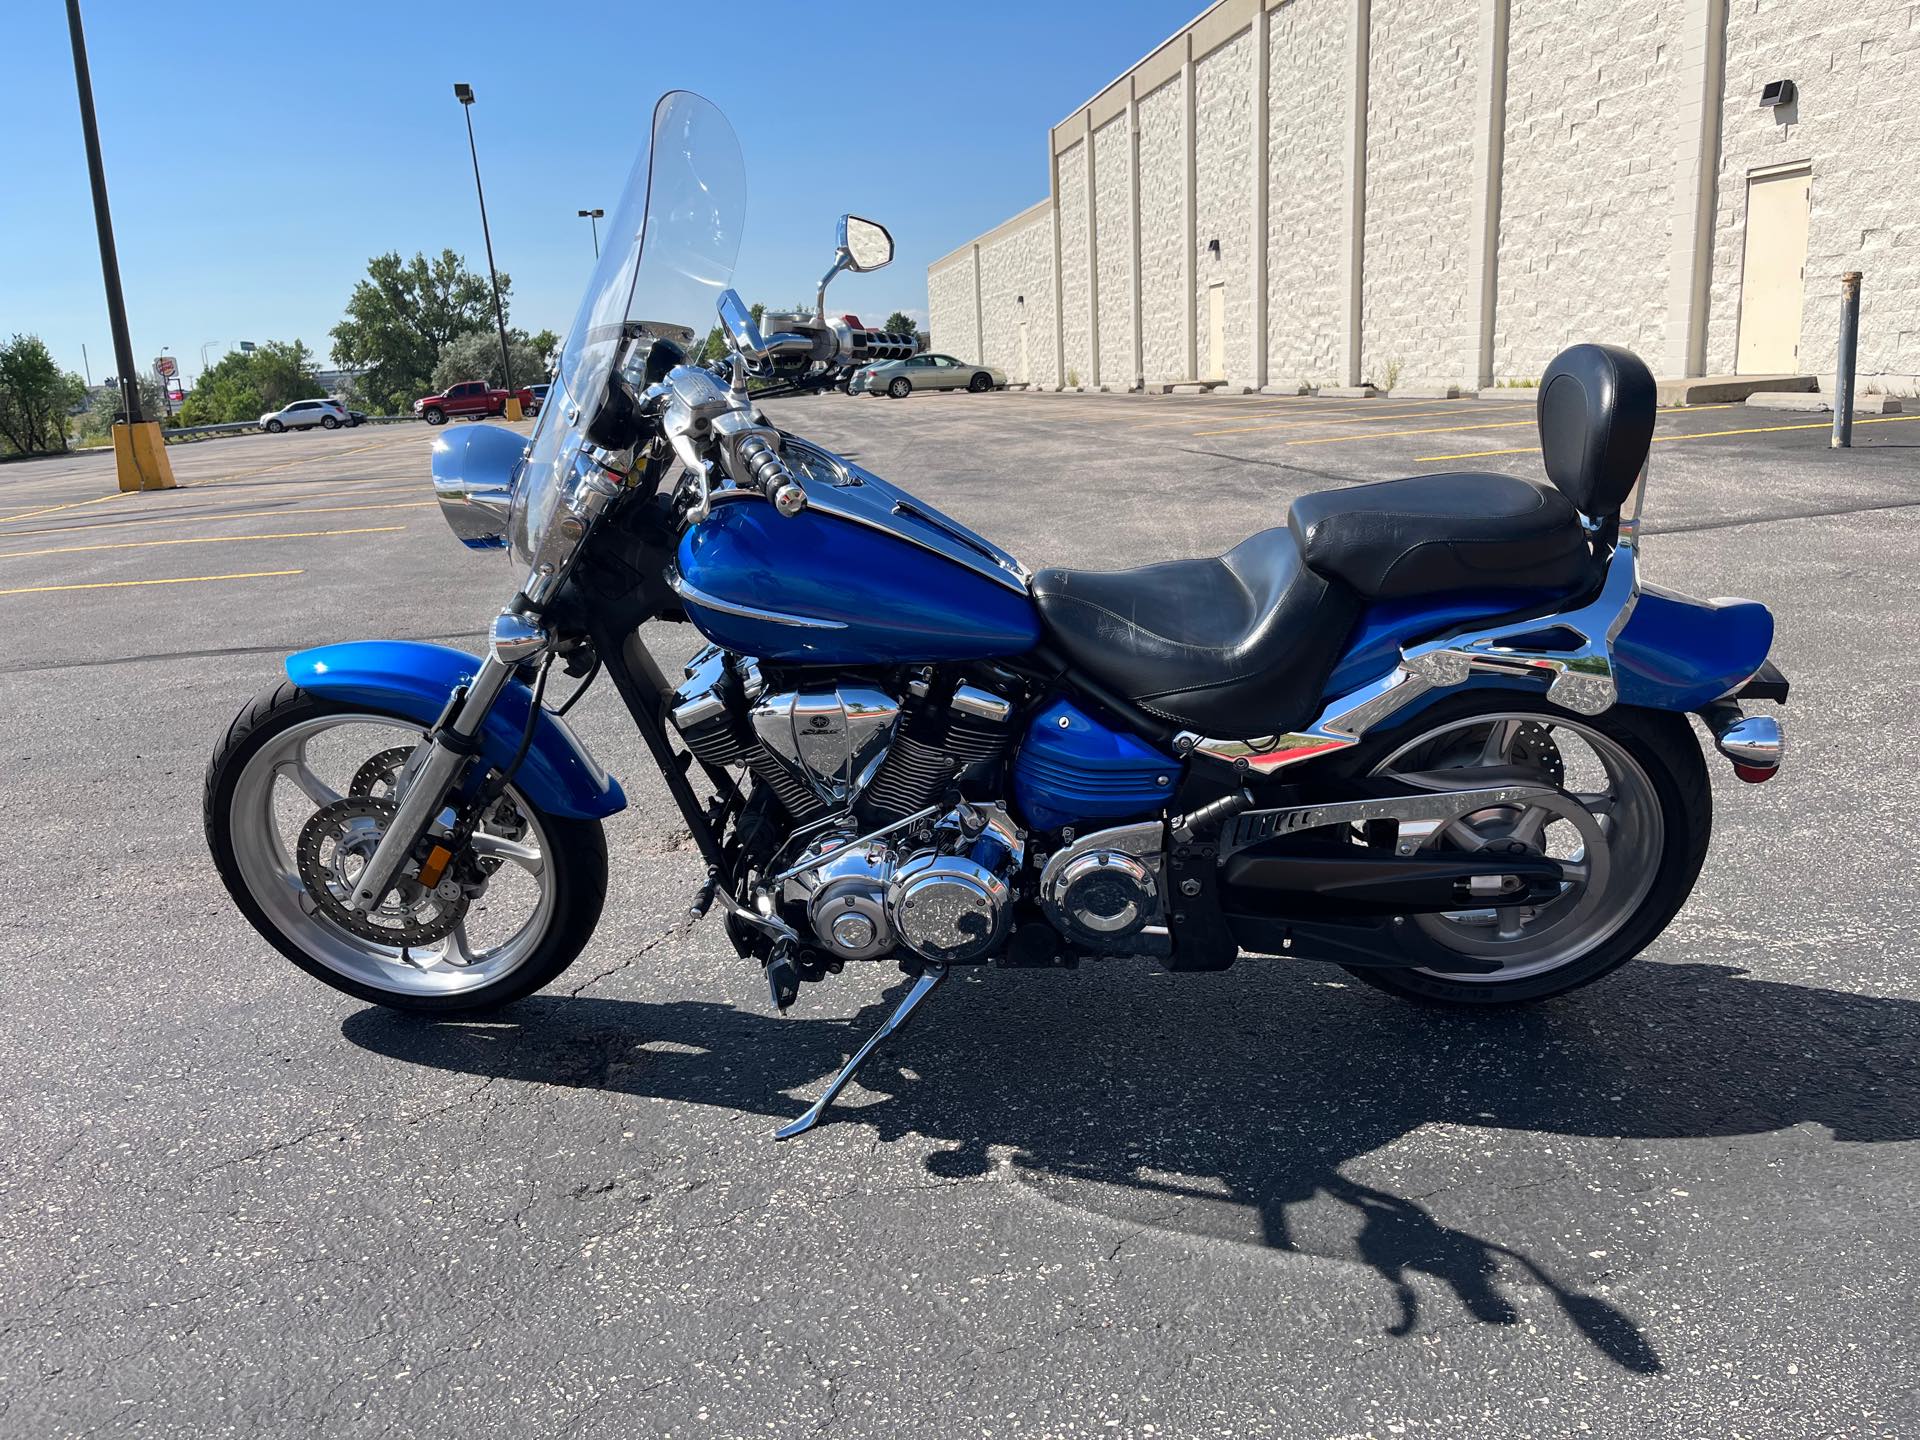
(474, 400)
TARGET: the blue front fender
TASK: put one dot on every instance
(414, 681)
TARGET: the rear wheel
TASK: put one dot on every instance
(1630, 828)
(900, 387)
(297, 797)
(329, 423)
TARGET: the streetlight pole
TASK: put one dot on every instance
(128, 376)
(464, 94)
(592, 217)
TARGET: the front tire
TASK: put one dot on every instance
(434, 415)
(267, 783)
(900, 387)
(980, 383)
(275, 427)
(1639, 778)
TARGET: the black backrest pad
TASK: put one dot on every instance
(1596, 421)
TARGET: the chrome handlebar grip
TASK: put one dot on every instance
(766, 472)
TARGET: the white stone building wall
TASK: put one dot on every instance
(1012, 266)
(1113, 194)
(950, 315)
(1076, 336)
(1223, 177)
(1308, 90)
(1856, 64)
(1163, 239)
(1420, 111)
(1586, 202)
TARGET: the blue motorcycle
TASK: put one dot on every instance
(1431, 730)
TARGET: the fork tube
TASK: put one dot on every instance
(428, 792)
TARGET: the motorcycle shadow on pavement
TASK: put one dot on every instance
(1252, 1106)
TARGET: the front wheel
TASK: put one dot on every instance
(1630, 828)
(297, 795)
(434, 415)
(980, 383)
(275, 427)
(900, 388)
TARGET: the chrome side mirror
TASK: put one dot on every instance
(865, 244)
(740, 326)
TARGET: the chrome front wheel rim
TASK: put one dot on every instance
(1605, 826)
(311, 765)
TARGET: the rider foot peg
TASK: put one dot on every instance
(783, 977)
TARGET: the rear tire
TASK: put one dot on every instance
(1662, 748)
(572, 852)
(900, 387)
(329, 423)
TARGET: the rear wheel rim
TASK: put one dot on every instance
(1608, 830)
(285, 781)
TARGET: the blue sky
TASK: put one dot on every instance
(258, 155)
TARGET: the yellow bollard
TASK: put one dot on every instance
(513, 408)
(140, 457)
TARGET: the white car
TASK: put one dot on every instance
(305, 414)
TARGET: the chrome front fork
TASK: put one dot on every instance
(425, 795)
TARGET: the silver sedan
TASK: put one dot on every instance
(900, 378)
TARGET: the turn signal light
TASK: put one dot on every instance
(1755, 774)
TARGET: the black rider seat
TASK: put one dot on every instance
(1440, 534)
(1241, 645)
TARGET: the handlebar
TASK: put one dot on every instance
(762, 469)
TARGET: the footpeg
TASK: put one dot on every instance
(924, 984)
(783, 977)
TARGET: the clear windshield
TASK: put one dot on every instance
(669, 249)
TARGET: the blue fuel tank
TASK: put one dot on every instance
(865, 575)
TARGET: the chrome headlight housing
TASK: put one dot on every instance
(475, 469)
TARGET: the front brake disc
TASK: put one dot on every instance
(334, 848)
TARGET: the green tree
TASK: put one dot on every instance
(246, 386)
(476, 356)
(94, 423)
(400, 316)
(899, 323)
(36, 397)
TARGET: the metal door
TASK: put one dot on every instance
(1773, 272)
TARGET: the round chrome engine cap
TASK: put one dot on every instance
(1102, 895)
(948, 908)
(852, 930)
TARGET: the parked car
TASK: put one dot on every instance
(470, 399)
(900, 378)
(539, 394)
(304, 415)
(356, 417)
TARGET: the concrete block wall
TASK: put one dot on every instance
(950, 308)
(1163, 242)
(1307, 82)
(1223, 183)
(1587, 208)
(1420, 90)
(1520, 175)
(1016, 292)
(1076, 334)
(1856, 66)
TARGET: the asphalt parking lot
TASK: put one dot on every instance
(1106, 1202)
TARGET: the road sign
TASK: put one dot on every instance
(167, 366)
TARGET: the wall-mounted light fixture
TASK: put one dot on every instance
(1213, 248)
(1019, 299)
(1776, 93)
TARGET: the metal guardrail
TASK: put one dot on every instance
(240, 427)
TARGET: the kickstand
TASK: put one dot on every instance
(923, 986)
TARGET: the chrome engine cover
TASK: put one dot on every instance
(954, 902)
(827, 738)
(1106, 891)
(846, 897)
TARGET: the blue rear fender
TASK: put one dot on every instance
(1675, 652)
(413, 680)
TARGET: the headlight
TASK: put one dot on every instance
(474, 470)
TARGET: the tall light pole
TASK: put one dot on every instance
(592, 217)
(125, 372)
(464, 94)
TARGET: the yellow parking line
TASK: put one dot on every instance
(259, 514)
(1341, 417)
(200, 540)
(70, 505)
(1669, 439)
(181, 580)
